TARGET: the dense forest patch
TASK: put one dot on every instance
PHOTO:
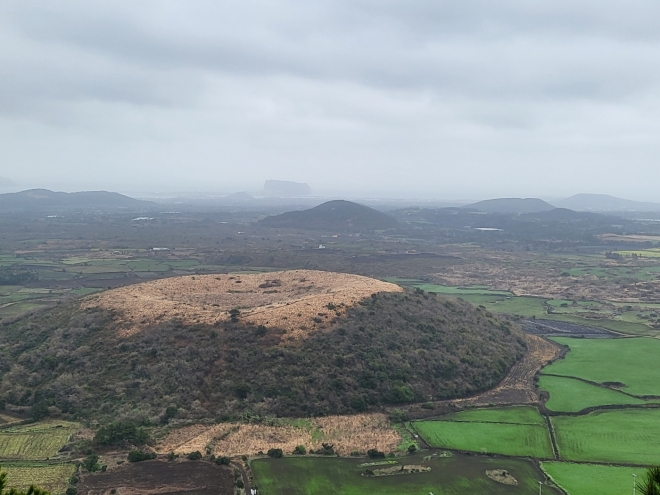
(390, 348)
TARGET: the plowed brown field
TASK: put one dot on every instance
(296, 300)
(518, 385)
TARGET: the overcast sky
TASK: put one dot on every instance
(435, 98)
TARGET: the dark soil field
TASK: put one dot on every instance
(163, 478)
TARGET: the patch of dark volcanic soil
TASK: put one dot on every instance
(159, 477)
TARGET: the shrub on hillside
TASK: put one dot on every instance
(139, 456)
(375, 454)
(119, 433)
(276, 453)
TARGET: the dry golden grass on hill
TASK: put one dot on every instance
(347, 433)
(296, 300)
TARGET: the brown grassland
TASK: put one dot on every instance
(347, 433)
(290, 300)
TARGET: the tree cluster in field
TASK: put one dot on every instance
(17, 277)
(392, 348)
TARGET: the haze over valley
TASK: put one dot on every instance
(329, 248)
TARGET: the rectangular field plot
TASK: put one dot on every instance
(458, 474)
(592, 479)
(628, 436)
(34, 442)
(52, 478)
(571, 395)
(631, 362)
(494, 438)
(516, 414)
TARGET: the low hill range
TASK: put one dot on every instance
(579, 202)
(290, 344)
(286, 189)
(336, 215)
(604, 203)
(511, 205)
(44, 198)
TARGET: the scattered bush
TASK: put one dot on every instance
(223, 461)
(276, 453)
(300, 450)
(375, 454)
(139, 456)
(119, 433)
(91, 463)
(194, 456)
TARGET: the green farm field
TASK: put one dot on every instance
(456, 475)
(493, 438)
(571, 395)
(516, 414)
(34, 442)
(632, 322)
(51, 477)
(629, 361)
(592, 479)
(628, 436)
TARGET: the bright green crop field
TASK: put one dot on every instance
(592, 479)
(497, 438)
(571, 395)
(515, 414)
(454, 475)
(34, 442)
(632, 361)
(627, 436)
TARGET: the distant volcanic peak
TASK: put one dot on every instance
(296, 300)
(339, 215)
(285, 188)
(37, 198)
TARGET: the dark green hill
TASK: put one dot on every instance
(511, 205)
(335, 215)
(391, 348)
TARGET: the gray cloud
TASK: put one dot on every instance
(446, 98)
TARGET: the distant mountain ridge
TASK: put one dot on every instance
(511, 205)
(5, 182)
(40, 198)
(333, 215)
(286, 189)
(604, 202)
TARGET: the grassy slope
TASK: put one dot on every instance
(592, 479)
(448, 476)
(630, 361)
(571, 395)
(507, 439)
(517, 414)
(628, 436)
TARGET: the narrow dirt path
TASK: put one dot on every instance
(246, 478)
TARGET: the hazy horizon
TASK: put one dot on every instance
(422, 100)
